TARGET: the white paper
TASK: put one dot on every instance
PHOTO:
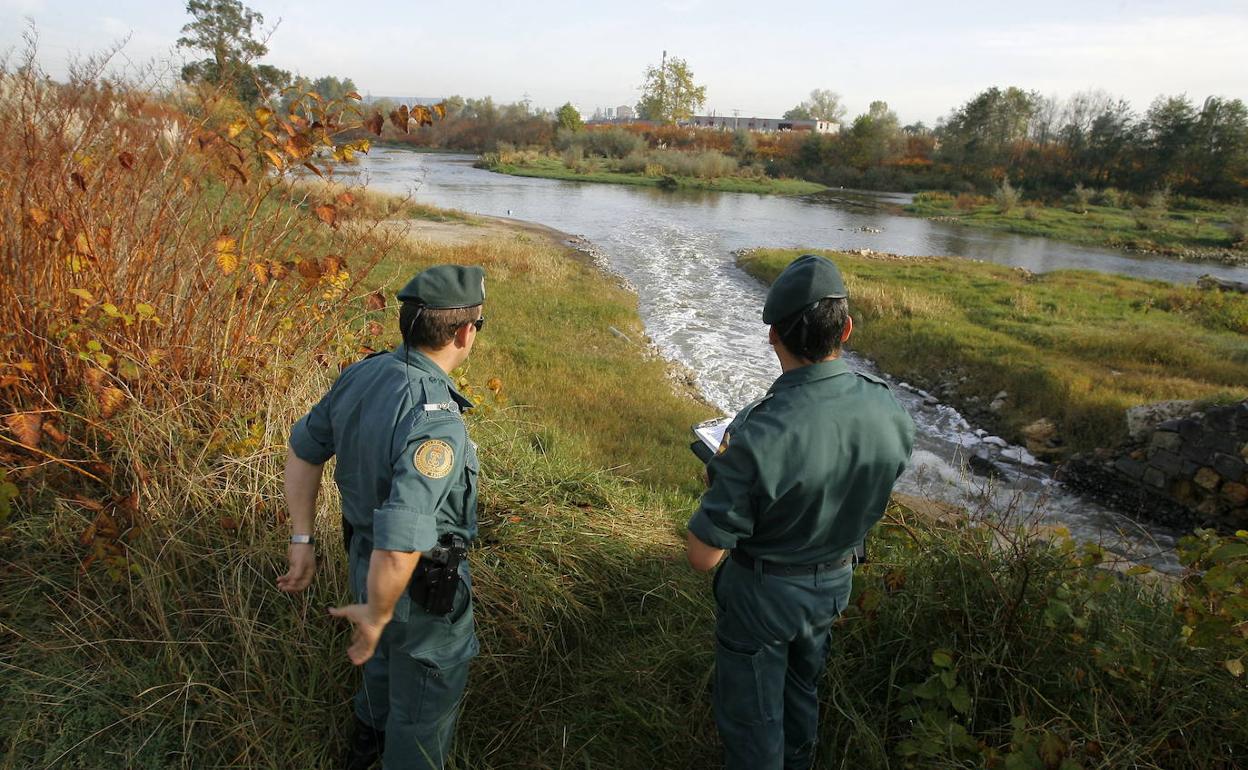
(711, 432)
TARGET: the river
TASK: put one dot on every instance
(675, 249)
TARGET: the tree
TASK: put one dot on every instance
(1169, 126)
(875, 136)
(328, 88)
(822, 105)
(1219, 150)
(668, 92)
(988, 130)
(223, 30)
(800, 112)
(569, 118)
(825, 105)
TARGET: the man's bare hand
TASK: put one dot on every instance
(367, 631)
(301, 558)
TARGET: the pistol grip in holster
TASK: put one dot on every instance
(436, 580)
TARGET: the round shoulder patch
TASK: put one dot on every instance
(723, 444)
(434, 458)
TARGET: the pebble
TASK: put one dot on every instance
(996, 441)
(981, 432)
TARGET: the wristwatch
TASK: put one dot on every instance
(302, 539)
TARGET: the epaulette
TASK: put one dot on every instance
(446, 406)
(873, 378)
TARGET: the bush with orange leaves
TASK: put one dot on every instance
(149, 258)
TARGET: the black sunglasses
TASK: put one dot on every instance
(479, 323)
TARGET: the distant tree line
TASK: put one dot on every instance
(1043, 145)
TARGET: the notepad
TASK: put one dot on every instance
(710, 435)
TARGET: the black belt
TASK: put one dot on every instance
(775, 568)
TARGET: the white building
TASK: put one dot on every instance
(762, 125)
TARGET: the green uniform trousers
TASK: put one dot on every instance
(771, 647)
(414, 684)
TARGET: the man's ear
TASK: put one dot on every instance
(462, 334)
(849, 328)
(772, 337)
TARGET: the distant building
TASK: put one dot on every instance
(762, 125)
(624, 112)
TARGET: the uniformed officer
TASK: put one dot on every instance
(407, 474)
(799, 478)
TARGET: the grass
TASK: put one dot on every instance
(139, 624)
(1077, 348)
(1191, 234)
(554, 168)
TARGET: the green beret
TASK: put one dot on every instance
(444, 287)
(806, 280)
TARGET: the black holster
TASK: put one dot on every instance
(436, 579)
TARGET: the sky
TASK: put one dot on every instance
(923, 58)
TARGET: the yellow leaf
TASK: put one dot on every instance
(227, 261)
(236, 127)
(352, 95)
(145, 310)
(26, 366)
(1139, 569)
(38, 216)
(261, 272)
(1235, 667)
(226, 244)
(264, 115)
(111, 309)
(111, 399)
(82, 245)
(26, 426)
(274, 158)
(83, 294)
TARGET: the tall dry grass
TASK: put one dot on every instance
(148, 259)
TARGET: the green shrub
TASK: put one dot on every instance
(1006, 197)
(1080, 197)
(1238, 227)
(1112, 197)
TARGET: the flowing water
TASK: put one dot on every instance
(675, 249)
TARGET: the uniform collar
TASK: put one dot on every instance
(809, 373)
(418, 360)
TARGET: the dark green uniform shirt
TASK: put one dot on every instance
(406, 469)
(806, 470)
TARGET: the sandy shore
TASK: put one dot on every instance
(481, 228)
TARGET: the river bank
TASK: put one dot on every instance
(1052, 360)
(1213, 233)
(600, 170)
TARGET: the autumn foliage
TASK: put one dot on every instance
(147, 261)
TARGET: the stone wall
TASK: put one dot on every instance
(1186, 472)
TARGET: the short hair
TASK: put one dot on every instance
(815, 332)
(433, 328)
